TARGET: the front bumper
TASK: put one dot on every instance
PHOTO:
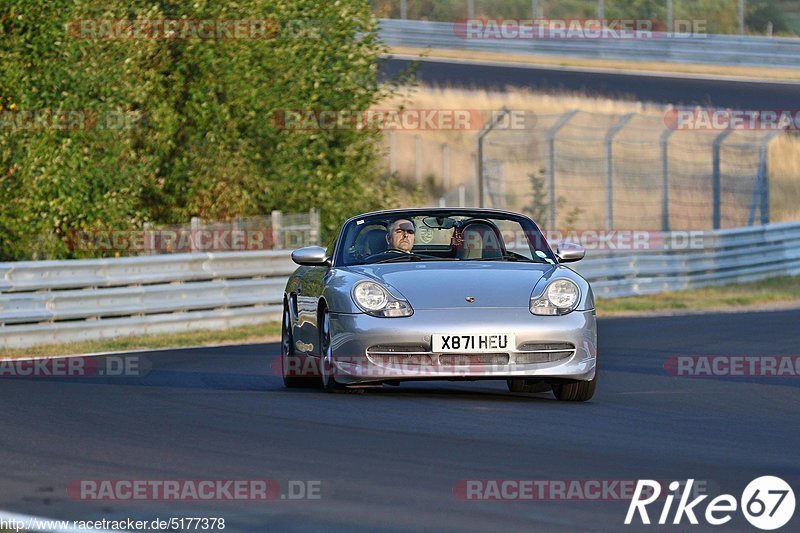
(355, 337)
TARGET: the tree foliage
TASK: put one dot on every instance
(198, 136)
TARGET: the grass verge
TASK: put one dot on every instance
(627, 66)
(268, 332)
(772, 292)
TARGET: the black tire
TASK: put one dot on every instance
(287, 352)
(575, 391)
(326, 367)
(527, 385)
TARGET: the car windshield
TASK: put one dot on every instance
(439, 235)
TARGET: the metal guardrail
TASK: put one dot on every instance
(708, 49)
(64, 301)
(727, 256)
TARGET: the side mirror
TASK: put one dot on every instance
(311, 256)
(569, 253)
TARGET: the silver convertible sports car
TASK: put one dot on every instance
(440, 293)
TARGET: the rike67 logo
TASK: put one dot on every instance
(767, 503)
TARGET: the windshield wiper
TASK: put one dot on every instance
(507, 257)
(398, 259)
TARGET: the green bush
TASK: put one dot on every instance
(201, 136)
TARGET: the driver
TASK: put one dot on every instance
(401, 235)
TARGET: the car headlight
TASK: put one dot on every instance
(375, 300)
(559, 298)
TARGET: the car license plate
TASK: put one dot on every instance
(501, 342)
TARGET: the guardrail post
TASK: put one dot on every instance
(664, 142)
(716, 182)
(277, 240)
(610, 168)
(551, 167)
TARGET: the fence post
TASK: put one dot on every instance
(392, 152)
(277, 241)
(664, 141)
(147, 242)
(764, 172)
(716, 182)
(314, 222)
(479, 149)
(462, 195)
(446, 166)
(551, 167)
(610, 168)
(195, 227)
(418, 157)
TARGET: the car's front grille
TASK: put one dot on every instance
(463, 359)
(399, 354)
(404, 359)
(543, 352)
(379, 349)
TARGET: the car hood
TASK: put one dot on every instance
(447, 284)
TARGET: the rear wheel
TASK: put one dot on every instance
(575, 391)
(326, 367)
(290, 362)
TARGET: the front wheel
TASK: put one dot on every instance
(290, 362)
(575, 391)
(326, 367)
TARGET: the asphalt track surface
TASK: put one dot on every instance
(644, 87)
(388, 459)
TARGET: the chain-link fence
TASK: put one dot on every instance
(605, 171)
(600, 170)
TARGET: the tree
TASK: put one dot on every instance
(200, 135)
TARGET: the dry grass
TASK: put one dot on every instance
(609, 64)
(642, 160)
(269, 332)
(777, 292)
